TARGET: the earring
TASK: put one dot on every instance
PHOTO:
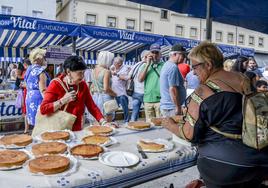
(69, 80)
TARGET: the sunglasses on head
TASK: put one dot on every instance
(155, 52)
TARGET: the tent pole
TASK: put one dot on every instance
(208, 21)
(74, 45)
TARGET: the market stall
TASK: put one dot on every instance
(93, 173)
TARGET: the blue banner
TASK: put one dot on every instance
(118, 34)
(187, 43)
(22, 23)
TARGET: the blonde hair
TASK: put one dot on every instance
(207, 52)
(105, 59)
(37, 53)
(228, 65)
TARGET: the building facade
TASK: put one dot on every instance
(123, 14)
(34, 8)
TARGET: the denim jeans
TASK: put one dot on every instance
(137, 100)
(123, 102)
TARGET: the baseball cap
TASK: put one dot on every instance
(155, 47)
(178, 48)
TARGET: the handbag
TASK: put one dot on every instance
(110, 106)
(19, 99)
(59, 120)
(130, 82)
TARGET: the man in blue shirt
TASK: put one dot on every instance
(172, 88)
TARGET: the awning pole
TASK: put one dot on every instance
(208, 21)
(74, 45)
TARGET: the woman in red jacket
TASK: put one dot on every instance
(78, 96)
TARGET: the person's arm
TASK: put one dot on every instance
(42, 83)
(106, 84)
(143, 72)
(175, 96)
(174, 81)
(91, 106)
(53, 101)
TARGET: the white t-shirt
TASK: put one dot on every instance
(138, 86)
(118, 85)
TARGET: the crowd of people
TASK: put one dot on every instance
(203, 88)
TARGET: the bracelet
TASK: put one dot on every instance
(103, 123)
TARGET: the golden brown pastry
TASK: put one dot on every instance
(16, 139)
(100, 130)
(139, 125)
(49, 148)
(96, 139)
(151, 146)
(50, 164)
(86, 150)
(10, 158)
(57, 135)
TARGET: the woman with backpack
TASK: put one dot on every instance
(213, 122)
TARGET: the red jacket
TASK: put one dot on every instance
(55, 92)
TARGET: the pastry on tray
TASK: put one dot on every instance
(86, 150)
(57, 135)
(157, 121)
(96, 139)
(12, 158)
(16, 139)
(49, 164)
(49, 148)
(152, 146)
(99, 130)
(139, 125)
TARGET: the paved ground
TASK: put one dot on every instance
(179, 179)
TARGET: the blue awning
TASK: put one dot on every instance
(228, 51)
(118, 41)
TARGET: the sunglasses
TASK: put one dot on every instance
(155, 52)
(195, 66)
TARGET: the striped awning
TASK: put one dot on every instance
(18, 33)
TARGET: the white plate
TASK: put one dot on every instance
(110, 142)
(119, 159)
(132, 128)
(168, 145)
(108, 134)
(72, 136)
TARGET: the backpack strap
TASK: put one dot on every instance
(215, 88)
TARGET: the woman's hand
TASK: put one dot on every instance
(68, 97)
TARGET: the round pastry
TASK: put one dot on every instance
(16, 139)
(86, 150)
(157, 121)
(96, 139)
(49, 148)
(10, 158)
(151, 146)
(96, 129)
(50, 164)
(58, 135)
(139, 125)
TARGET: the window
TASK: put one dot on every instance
(193, 32)
(91, 19)
(218, 36)
(204, 34)
(230, 38)
(6, 10)
(130, 24)
(148, 26)
(37, 14)
(241, 39)
(111, 21)
(251, 40)
(164, 14)
(261, 42)
(179, 30)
